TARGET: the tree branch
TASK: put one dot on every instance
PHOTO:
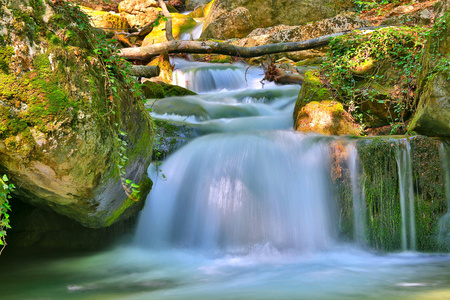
(145, 53)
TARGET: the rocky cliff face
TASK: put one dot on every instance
(72, 133)
(433, 113)
(267, 13)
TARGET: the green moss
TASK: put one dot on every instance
(161, 90)
(5, 57)
(380, 182)
(144, 188)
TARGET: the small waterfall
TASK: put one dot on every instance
(359, 201)
(202, 77)
(406, 189)
(234, 192)
(192, 34)
(444, 222)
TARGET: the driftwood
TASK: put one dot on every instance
(145, 53)
(145, 71)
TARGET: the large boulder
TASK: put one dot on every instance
(285, 33)
(266, 13)
(139, 12)
(233, 24)
(73, 138)
(432, 117)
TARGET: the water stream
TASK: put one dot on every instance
(244, 211)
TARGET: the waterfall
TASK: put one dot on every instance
(406, 189)
(444, 222)
(359, 202)
(202, 77)
(234, 192)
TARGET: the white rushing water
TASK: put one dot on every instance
(245, 211)
(406, 195)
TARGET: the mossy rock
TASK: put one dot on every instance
(65, 120)
(153, 90)
(325, 117)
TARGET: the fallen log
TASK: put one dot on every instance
(145, 53)
(145, 71)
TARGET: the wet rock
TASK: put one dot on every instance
(63, 132)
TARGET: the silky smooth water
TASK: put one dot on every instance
(245, 211)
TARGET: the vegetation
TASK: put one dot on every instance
(5, 189)
(376, 71)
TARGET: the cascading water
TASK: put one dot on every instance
(359, 203)
(406, 195)
(235, 191)
(444, 222)
(245, 211)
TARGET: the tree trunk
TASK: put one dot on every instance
(145, 53)
(145, 71)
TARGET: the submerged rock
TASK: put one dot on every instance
(70, 124)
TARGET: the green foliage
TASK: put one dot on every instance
(5, 189)
(360, 5)
(363, 67)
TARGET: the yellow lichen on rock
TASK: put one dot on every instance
(106, 20)
(325, 117)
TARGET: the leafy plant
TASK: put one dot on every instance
(5, 189)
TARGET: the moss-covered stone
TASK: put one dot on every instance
(71, 129)
(316, 111)
(153, 90)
